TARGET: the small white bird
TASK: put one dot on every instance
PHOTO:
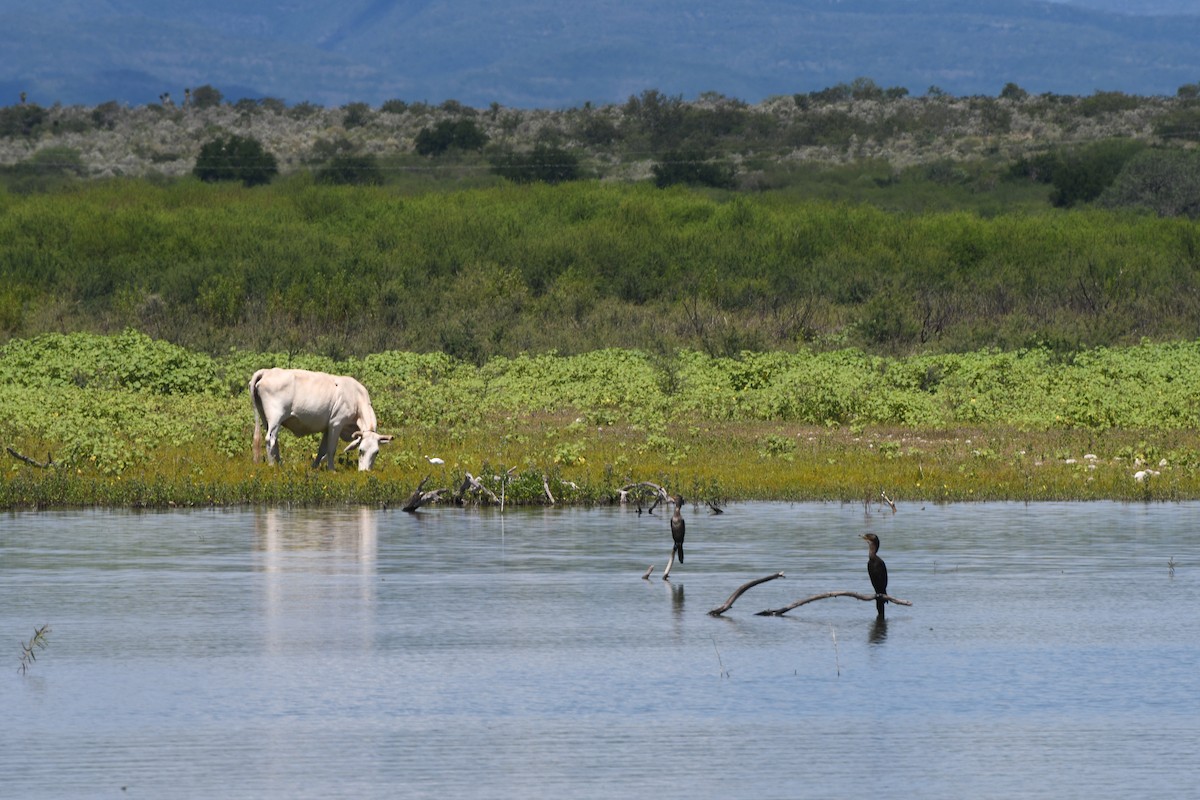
(435, 460)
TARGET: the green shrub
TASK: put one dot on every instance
(358, 170)
(1083, 174)
(105, 115)
(542, 164)
(693, 168)
(1183, 123)
(657, 117)
(205, 96)
(1166, 182)
(49, 169)
(1012, 91)
(1107, 103)
(355, 115)
(460, 134)
(235, 158)
(23, 120)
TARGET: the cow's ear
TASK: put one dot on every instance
(353, 444)
(385, 439)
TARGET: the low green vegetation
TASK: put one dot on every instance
(349, 270)
(127, 420)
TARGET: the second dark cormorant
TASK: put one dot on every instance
(677, 529)
(877, 570)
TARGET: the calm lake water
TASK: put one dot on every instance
(1050, 651)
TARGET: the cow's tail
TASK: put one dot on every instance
(259, 414)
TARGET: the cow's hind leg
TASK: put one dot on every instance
(273, 444)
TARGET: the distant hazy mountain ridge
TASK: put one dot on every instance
(552, 55)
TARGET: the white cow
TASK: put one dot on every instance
(304, 402)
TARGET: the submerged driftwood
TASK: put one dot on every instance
(779, 612)
(419, 496)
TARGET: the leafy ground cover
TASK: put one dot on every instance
(128, 420)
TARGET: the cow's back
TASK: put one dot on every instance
(300, 400)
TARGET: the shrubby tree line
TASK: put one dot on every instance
(584, 265)
(712, 142)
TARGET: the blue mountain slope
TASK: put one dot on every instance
(545, 53)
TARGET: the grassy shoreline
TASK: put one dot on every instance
(723, 463)
(135, 422)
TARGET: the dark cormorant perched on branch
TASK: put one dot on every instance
(877, 570)
(677, 529)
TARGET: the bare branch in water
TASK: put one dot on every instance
(728, 604)
(779, 612)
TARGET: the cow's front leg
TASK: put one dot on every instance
(328, 451)
(322, 450)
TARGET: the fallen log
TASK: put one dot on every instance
(728, 604)
(779, 612)
(22, 457)
(419, 497)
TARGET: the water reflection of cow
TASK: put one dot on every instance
(335, 593)
(349, 534)
(304, 402)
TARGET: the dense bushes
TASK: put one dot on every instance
(235, 158)
(1082, 175)
(461, 134)
(693, 168)
(358, 170)
(49, 169)
(542, 164)
(23, 120)
(1166, 182)
(574, 267)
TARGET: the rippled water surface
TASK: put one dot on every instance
(1051, 651)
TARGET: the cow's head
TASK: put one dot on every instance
(367, 443)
